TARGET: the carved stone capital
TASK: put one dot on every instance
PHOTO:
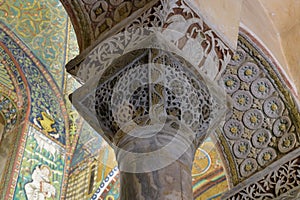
(155, 109)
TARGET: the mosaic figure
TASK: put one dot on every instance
(40, 188)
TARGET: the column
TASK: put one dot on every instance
(151, 91)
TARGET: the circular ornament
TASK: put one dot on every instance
(261, 138)
(281, 126)
(231, 83)
(242, 100)
(262, 88)
(238, 57)
(266, 156)
(253, 119)
(287, 142)
(248, 72)
(241, 148)
(233, 129)
(248, 166)
(273, 107)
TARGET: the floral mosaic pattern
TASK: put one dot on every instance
(40, 23)
(43, 98)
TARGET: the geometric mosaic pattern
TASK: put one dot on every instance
(40, 23)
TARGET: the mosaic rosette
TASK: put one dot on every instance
(241, 148)
(261, 138)
(248, 72)
(262, 88)
(233, 129)
(266, 156)
(253, 119)
(242, 100)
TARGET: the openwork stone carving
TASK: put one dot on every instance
(179, 25)
(282, 182)
(153, 89)
(140, 90)
(154, 108)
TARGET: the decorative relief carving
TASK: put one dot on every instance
(144, 94)
(287, 142)
(259, 129)
(248, 72)
(253, 119)
(91, 18)
(238, 57)
(242, 100)
(273, 107)
(281, 126)
(234, 129)
(231, 82)
(261, 138)
(241, 148)
(282, 182)
(266, 156)
(262, 88)
(178, 24)
(248, 167)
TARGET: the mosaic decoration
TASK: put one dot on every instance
(8, 64)
(14, 101)
(109, 182)
(5, 79)
(46, 107)
(42, 169)
(40, 187)
(40, 24)
(88, 145)
(9, 111)
(209, 180)
(262, 128)
(46, 113)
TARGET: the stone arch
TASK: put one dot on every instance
(262, 127)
